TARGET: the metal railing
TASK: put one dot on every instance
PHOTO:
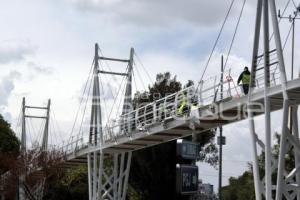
(140, 119)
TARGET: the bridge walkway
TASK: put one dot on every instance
(145, 127)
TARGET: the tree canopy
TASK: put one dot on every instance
(243, 187)
(9, 143)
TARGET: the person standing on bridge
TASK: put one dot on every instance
(245, 78)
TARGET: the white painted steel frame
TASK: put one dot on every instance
(39, 187)
(287, 184)
(107, 173)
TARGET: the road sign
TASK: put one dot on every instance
(187, 150)
(223, 140)
(186, 179)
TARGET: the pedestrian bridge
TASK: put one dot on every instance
(159, 122)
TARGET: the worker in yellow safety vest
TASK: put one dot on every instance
(183, 106)
(245, 78)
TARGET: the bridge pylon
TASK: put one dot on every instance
(288, 180)
(24, 191)
(108, 172)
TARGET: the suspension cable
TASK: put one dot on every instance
(230, 47)
(81, 100)
(295, 4)
(144, 68)
(108, 81)
(85, 106)
(104, 99)
(120, 102)
(140, 77)
(234, 35)
(115, 100)
(215, 44)
(108, 66)
(56, 122)
(285, 42)
(272, 35)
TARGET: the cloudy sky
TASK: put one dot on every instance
(46, 49)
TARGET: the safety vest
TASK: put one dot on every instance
(246, 79)
(182, 105)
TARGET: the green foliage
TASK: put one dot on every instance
(240, 188)
(73, 185)
(9, 146)
(243, 187)
(9, 143)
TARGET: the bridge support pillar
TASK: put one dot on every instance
(108, 175)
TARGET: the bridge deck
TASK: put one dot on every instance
(203, 118)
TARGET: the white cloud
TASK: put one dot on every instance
(15, 51)
(158, 13)
(7, 85)
(39, 69)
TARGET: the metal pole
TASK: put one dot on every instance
(278, 44)
(221, 134)
(100, 174)
(268, 147)
(293, 47)
(96, 95)
(257, 183)
(281, 159)
(128, 92)
(46, 130)
(89, 175)
(116, 178)
(23, 137)
(23, 153)
(94, 188)
(129, 155)
(296, 153)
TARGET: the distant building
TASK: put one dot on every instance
(205, 191)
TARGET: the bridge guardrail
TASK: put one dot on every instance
(168, 107)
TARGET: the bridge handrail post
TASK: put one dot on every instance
(215, 81)
(273, 77)
(164, 107)
(229, 85)
(154, 112)
(201, 92)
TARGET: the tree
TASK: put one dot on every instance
(71, 184)
(240, 188)
(153, 169)
(243, 187)
(9, 143)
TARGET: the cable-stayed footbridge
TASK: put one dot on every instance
(163, 120)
